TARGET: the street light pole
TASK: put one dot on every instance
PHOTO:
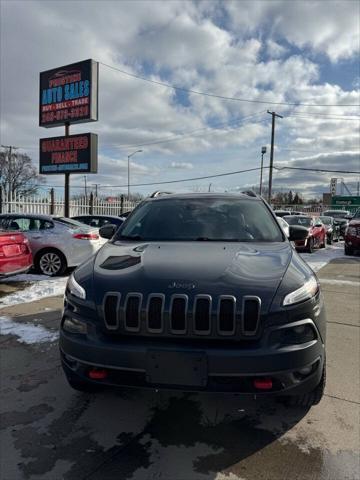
(129, 156)
(273, 115)
(263, 151)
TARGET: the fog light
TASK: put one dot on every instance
(293, 335)
(305, 370)
(74, 325)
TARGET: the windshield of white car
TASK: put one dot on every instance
(201, 219)
(298, 220)
(326, 220)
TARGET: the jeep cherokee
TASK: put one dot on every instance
(198, 292)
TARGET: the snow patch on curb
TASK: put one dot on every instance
(38, 290)
(26, 332)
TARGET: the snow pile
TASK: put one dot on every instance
(26, 332)
(39, 289)
(322, 257)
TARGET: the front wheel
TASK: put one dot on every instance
(50, 262)
(348, 250)
(310, 245)
(330, 239)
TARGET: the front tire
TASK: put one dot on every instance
(50, 262)
(310, 245)
(330, 240)
(349, 250)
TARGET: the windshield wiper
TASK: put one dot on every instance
(208, 239)
(129, 237)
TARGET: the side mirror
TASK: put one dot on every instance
(297, 232)
(107, 231)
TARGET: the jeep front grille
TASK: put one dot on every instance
(177, 315)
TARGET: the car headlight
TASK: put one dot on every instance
(76, 289)
(308, 290)
(330, 230)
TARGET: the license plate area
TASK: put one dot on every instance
(176, 368)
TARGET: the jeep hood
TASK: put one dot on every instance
(213, 268)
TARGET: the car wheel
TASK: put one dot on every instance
(330, 239)
(310, 245)
(309, 399)
(348, 250)
(50, 262)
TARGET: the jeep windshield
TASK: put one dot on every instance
(204, 219)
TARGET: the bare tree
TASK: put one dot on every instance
(18, 174)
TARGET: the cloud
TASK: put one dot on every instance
(256, 50)
(182, 165)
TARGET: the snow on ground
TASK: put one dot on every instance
(41, 286)
(26, 332)
(322, 257)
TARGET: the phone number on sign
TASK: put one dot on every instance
(66, 114)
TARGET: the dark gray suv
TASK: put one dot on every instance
(198, 292)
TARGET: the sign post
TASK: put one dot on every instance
(69, 94)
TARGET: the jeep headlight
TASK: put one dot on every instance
(307, 291)
(76, 289)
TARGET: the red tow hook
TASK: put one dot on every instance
(97, 373)
(263, 383)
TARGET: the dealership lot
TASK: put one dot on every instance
(51, 432)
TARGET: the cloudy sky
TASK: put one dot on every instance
(303, 53)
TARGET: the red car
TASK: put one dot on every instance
(352, 235)
(317, 232)
(15, 254)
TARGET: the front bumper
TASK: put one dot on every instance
(158, 364)
(352, 241)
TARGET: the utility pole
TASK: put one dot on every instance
(85, 189)
(273, 114)
(263, 151)
(96, 189)
(9, 148)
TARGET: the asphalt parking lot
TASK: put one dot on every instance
(49, 431)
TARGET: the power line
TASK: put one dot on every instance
(216, 176)
(221, 97)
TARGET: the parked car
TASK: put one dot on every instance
(316, 237)
(352, 235)
(332, 229)
(56, 242)
(284, 225)
(15, 254)
(341, 218)
(295, 212)
(198, 292)
(97, 221)
(282, 213)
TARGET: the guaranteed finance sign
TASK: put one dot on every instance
(71, 154)
(69, 94)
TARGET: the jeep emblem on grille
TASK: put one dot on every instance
(182, 285)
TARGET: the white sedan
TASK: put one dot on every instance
(56, 242)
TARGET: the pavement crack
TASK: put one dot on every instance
(343, 324)
(340, 398)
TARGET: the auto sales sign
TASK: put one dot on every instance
(69, 94)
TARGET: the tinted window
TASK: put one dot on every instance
(297, 220)
(24, 224)
(190, 219)
(69, 222)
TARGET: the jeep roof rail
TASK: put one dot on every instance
(158, 193)
(250, 193)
